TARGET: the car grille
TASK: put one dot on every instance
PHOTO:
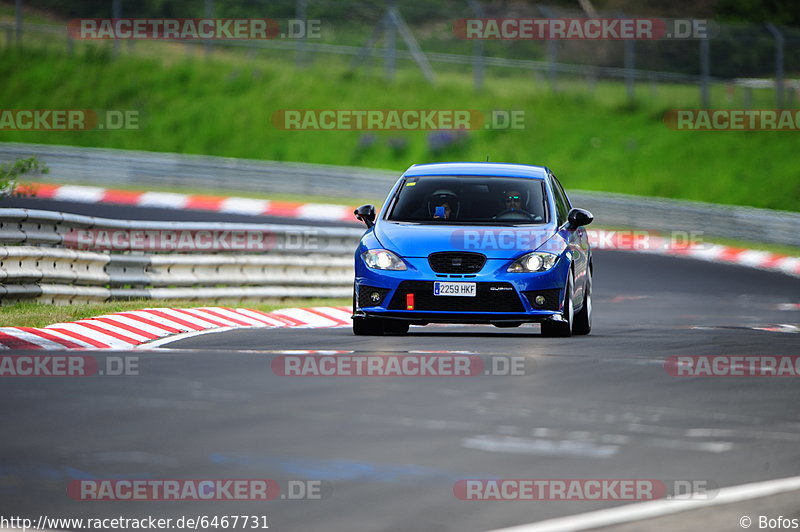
(552, 298)
(456, 262)
(502, 299)
(364, 299)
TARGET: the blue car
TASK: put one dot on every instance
(474, 243)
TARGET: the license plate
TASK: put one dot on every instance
(454, 289)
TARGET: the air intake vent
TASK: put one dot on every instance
(456, 262)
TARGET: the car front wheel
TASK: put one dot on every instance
(583, 319)
(367, 327)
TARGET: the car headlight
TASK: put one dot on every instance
(381, 259)
(533, 262)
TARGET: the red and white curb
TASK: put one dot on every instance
(154, 326)
(652, 242)
(172, 200)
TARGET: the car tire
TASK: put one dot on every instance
(561, 329)
(395, 327)
(582, 323)
(367, 327)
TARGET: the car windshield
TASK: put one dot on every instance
(486, 200)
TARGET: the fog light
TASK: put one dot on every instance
(539, 300)
(374, 297)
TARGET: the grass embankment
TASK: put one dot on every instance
(224, 106)
(35, 314)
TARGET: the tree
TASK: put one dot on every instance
(10, 172)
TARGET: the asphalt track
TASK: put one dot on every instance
(391, 448)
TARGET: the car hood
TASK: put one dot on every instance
(496, 242)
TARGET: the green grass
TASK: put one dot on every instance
(223, 106)
(35, 314)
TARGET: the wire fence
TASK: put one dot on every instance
(386, 36)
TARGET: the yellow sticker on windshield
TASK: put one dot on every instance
(411, 184)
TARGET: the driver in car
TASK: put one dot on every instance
(443, 205)
(513, 202)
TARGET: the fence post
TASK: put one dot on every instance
(551, 51)
(116, 12)
(209, 13)
(18, 9)
(390, 55)
(705, 49)
(300, 51)
(477, 49)
(629, 59)
(778, 63)
(630, 65)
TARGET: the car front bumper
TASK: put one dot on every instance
(501, 297)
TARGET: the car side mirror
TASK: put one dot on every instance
(366, 213)
(579, 217)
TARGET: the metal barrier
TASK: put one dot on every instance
(107, 167)
(286, 267)
(110, 167)
(705, 219)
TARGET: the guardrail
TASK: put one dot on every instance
(288, 263)
(705, 219)
(108, 167)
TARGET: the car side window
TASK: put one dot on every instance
(563, 193)
(562, 203)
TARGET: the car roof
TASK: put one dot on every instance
(487, 169)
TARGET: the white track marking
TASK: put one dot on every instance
(79, 194)
(182, 336)
(319, 211)
(163, 200)
(244, 206)
(651, 509)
